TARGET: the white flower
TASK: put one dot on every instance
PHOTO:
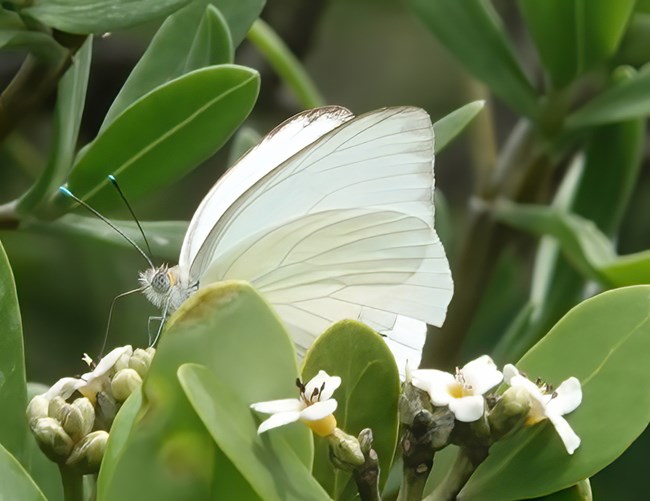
(462, 392)
(549, 404)
(99, 379)
(314, 407)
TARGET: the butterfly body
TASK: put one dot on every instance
(329, 217)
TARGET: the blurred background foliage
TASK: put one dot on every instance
(362, 54)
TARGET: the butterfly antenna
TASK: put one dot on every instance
(110, 316)
(112, 179)
(68, 193)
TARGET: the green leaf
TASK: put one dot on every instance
(15, 483)
(633, 269)
(448, 127)
(573, 36)
(603, 342)
(635, 47)
(625, 100)
(43, 46)
(472, 32)
(165, 237)
(582, 242)
(169, 453)
(69, 108)
(166, 56)
(120, 431)
(165, 134)
(367, 397)
(13, 387)
(98, 16)
(266, 461)
(212, 44)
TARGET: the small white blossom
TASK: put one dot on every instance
(549, 404)
(315, 407)
(99, 378)
(461, 392)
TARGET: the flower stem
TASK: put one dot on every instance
(285, 64)
(464, 465)
(72, 484)
(417, 454)
(367, 478)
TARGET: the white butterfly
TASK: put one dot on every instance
(330, 217)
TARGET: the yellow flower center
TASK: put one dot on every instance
(322, 427)
(459, 390)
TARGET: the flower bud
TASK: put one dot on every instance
(52, 438)
(365, 440)
(88, 453)
(79, 418)
(411, 402)
(123, 361)
(57, 408)
(510, 412)
(140, 361)
(37, 408)
(124, 383)
(345, 451)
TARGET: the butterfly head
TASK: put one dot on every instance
(157, 283)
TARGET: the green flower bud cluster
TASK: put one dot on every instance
(71, 420)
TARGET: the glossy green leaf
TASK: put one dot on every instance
(361, 358)
(71, 97)
(15, 482)
(603, 342)
(13, 388)
(98, 16)
(635, 47)
(166, 56)
(169, 453)
(165, 134)
(212, 43)
(40, 44)
(165, 237)
(266, 461)
(573, 36)
(448, 127)
(625, 100)
(120, 431)
(471, 31)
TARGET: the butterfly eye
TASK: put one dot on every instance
(160, 281)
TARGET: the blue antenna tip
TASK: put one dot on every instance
(65, 191)
(111, 177)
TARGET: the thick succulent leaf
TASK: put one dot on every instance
(603, 342)
(169, 453)
(367, 397)
(13, 387)
(164, 135)
(98, 16)
(573, 36)
(167, 54)
(15, 482)
(471, 31)
(261, 459)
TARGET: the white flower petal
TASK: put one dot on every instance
(64, 388)
(276, 406)
(569, 437)
(319, 410)
(567, 397)
(436, 383)
(325, 381)
(481, 374)
(509, 371)
(279, 419)
(467, 409)
(108, 362)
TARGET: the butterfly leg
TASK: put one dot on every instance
(162, 323)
